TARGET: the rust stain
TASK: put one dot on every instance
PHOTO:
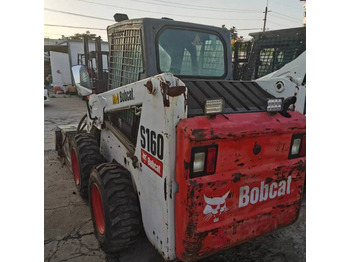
(133, 158)
(199, 133)
(186, 165)
(176, 91)
(149, 87)
(193, 183)
(165, 88)
(237, 177)
(268, 180)
(295, 203)
(172, 92)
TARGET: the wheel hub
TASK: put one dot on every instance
(75, 166)
(97, 209)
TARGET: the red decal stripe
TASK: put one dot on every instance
(152, 162)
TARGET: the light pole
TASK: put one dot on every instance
(265, 18)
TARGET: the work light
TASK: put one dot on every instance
(274, 105)
(214, 106)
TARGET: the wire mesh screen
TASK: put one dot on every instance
(243, 49)
(209, 57)
(125, 58)
(240, 58)
(273, 58)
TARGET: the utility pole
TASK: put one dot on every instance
(265, 18)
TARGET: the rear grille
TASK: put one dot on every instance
(239, 96)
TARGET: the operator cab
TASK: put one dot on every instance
(140, 48)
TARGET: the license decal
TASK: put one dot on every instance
(152, 149)
(152, 162)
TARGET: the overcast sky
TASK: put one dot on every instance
(246, 15)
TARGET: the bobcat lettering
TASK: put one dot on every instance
(263, 193)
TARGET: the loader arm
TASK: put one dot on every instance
(131, 95)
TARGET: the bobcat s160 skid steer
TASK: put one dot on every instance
(175, 146)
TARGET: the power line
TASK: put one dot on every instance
(197, 7)
(218, 8)
(284, 4)
(79, 27)
(52, 34)
(278, 24)
(287, 19)
(248, 29)
(171, 14)
(69, 13)
(286, 15)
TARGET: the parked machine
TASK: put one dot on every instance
(276, 60)
(175, 146)
(267, 52)
(93, 60)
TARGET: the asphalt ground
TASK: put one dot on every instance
(68, 229)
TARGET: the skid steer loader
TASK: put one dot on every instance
(276, 60)
(200, 161)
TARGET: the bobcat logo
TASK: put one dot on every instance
(215, 206)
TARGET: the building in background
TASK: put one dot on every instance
(61, 55)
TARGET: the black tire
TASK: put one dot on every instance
(85, 154)
(120, 223)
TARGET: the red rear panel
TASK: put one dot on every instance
(255, 189)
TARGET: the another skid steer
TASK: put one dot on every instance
(175, 146)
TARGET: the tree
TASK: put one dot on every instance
(80, 36)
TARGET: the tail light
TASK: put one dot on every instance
(203, 161)
(298, 146)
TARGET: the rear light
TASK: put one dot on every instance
(203, 161)
(295, 146)
(198, 162)
(298, 146)
(211, 160)
(303, 146)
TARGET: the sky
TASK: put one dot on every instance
(95, 15)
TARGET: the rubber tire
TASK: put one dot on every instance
(122, 217)
(87, 155)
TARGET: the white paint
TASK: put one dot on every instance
(156, 193)
(215, 207)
